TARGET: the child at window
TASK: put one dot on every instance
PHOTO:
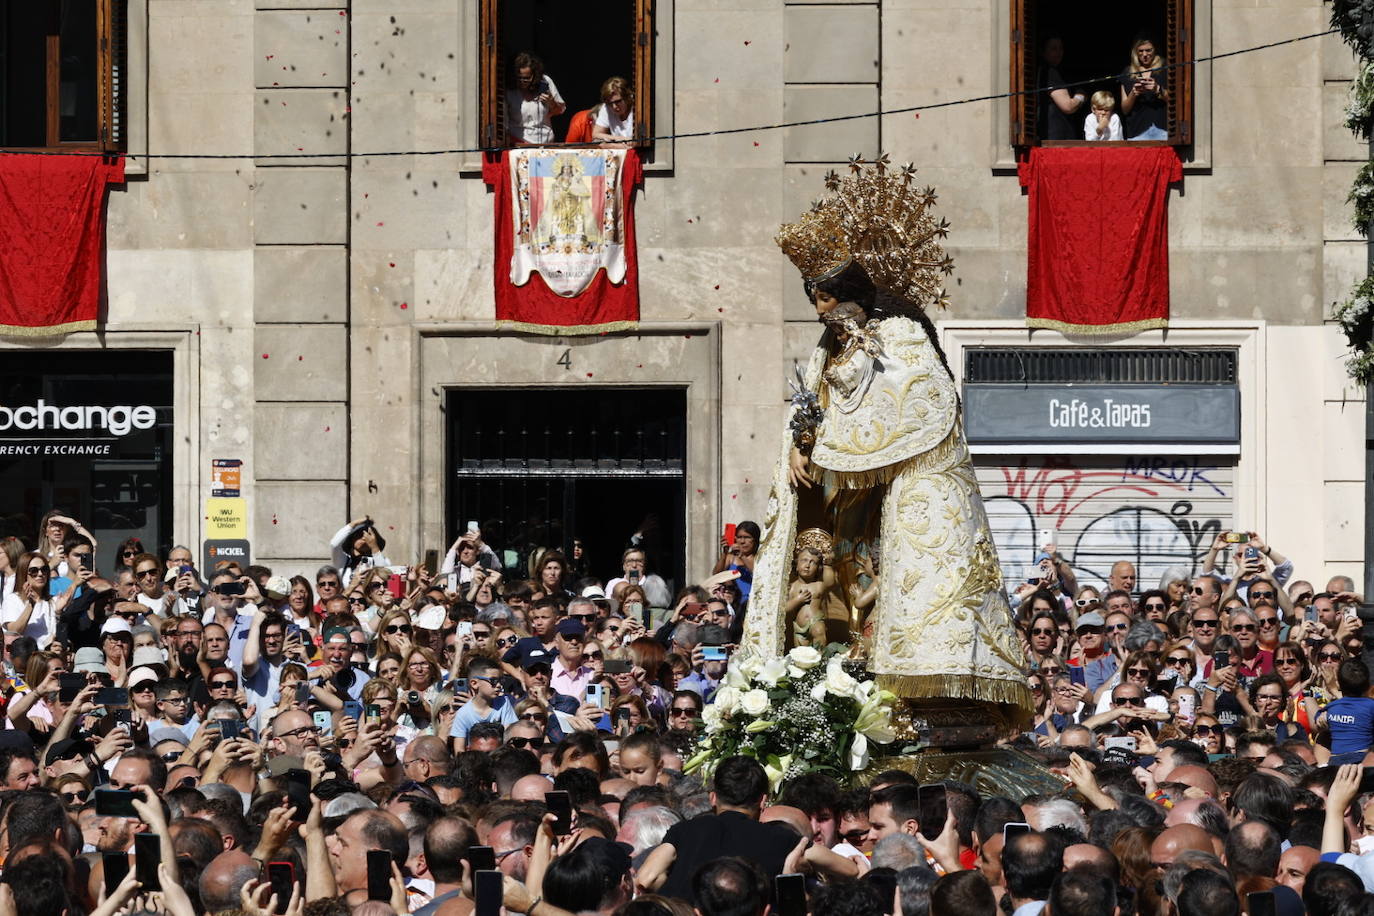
(1103, 123)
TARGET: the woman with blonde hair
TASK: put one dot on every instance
(1145, 93)
(11, 549)
(393, 634)
(615, 119)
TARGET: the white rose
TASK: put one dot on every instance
(818, 692)
(804, 657)
(711, 718)
(755, 702)
(725, 701)
(772, 672)
(837, 681)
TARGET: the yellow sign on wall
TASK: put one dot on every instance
(226, 518)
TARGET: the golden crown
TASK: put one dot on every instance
(817, 538)
(876, 216)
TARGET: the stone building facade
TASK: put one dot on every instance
(321, 311)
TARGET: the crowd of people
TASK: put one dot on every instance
(384, 739)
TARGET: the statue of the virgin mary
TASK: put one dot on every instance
(874, 474)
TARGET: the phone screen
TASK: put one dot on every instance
(560, 806)
(116, 870)
(282, 877)
(112, 696)
(69, 685)
(115, 803)
(1012, 829)
(487, 889)
(481, 858)
(934, 809)
(1221, 659)
(303, 692)
(147, 857)
(378, 874)
(1260, 903)
(790, 891)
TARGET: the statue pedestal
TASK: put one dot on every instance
(957, 739)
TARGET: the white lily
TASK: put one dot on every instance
(858, 753)
(771, 672)
(874, 721)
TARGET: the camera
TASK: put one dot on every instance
(413, 698)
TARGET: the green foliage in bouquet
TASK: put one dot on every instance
(809, 711)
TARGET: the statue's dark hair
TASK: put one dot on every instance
(853, 284)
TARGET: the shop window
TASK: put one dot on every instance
(581, 45)
(1097, 40)
(63, 74)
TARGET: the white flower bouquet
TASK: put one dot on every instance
(808, 711)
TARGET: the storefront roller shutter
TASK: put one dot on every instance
(1155, 511)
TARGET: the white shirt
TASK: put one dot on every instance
(625, 129)
(1113, 128)
(529, 119)
(42, 624)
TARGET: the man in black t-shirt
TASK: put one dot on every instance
(733, 829)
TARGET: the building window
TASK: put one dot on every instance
(1097, 41)
(62, 74)
(581, 46)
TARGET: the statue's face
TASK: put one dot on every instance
(824, 302)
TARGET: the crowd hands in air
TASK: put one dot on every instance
(391, 739)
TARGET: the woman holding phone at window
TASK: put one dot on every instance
(1144, 94)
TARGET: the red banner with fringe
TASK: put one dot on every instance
(52, 241)
(1097, 259)
(567, 213)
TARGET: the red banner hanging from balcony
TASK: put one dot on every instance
(565, 239)
(1098, 247)
(52, 241)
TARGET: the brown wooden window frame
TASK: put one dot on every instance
(491, 83)
(112, 80)
(1178, 41)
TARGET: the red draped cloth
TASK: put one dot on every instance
(52, 240)
(1098, 252)
(602, 307)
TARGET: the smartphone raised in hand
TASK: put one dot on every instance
(282, 878)
(378, 875)
(147, 857)
(790, 893)
(560, 806)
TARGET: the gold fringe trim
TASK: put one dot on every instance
(958, 687)
(51, 330)
(938, 458)
(1121, 327)
(559, 330)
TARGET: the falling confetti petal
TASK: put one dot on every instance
(589, 375)
(264, 356)
(391, 263)
(326, 429)
(717, 286)
(746, 44)
(404, 305)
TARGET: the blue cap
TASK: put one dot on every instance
(570, 627)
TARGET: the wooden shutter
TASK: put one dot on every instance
(491, 100)
(1023, 64)
(113, 29)
(1179, 28)
(643, 36)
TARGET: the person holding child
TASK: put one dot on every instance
(1103, 123)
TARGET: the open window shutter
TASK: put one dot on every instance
(113, 25)
(490, 86)
(644, 69)
(1023, 60)
(1179, 24)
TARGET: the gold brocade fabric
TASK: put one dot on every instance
(907, 405)
(942, 625)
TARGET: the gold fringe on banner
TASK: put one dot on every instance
(935, 459)
(958, 687)
(1121, 327)
(558, 330)
(52, 330)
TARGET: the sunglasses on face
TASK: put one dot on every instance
(1090, 631)
(38, 570)
(1207, 730)
(584, 618)
(398, 628)
(1180, 659)
(1243, 628)
(533, 717)
(1330, 656)
(1084, 602)
(1305, 596)
(1205, 624)
(1138, 672)
(481, 634)
(683, 711)
(1198, 590)
(1154, 606)
(508, 641)
(74, 798)
(1042, 631)
(1050, 670)
(593, 656)
(1287, 661)
(1268, 621)
(222, 685)
(1254, 594)
(129, 553)
(532, 743)
(1277, 698)
(1128, 701)
(1114, 627)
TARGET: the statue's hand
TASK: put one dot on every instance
(796, 470)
